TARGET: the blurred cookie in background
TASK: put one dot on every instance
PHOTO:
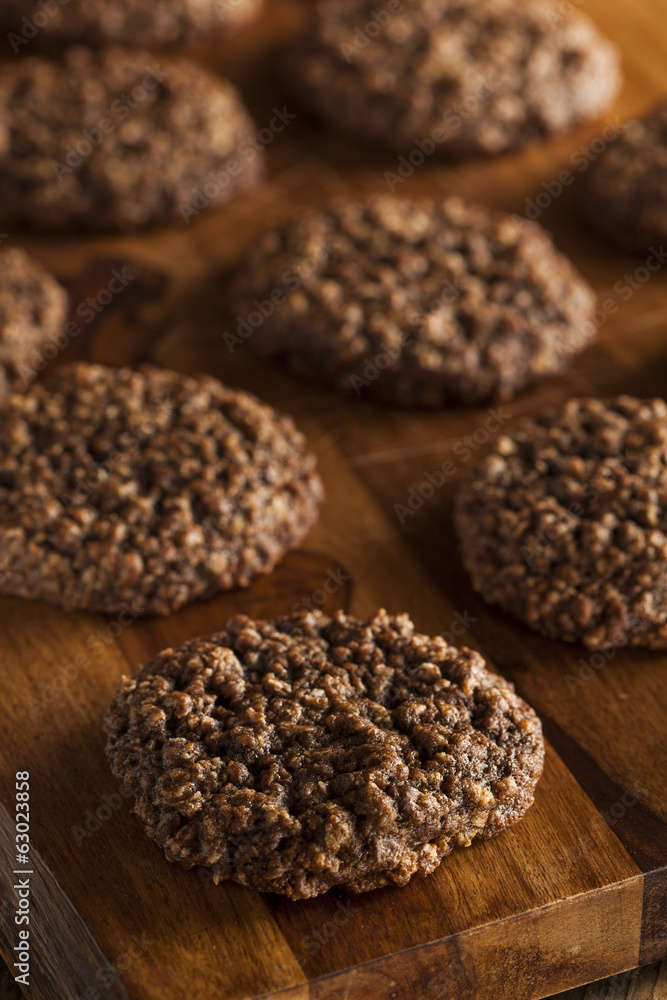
(116, 139)
(460, 76)
(417, 302)
(141, 23)
(33, 310)
(625, 196)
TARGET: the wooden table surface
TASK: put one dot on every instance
(578, 889)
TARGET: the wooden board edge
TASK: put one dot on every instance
(557, 947)
(60, 945)
(654, 918)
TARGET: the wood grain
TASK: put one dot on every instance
(648, 983)
(578, 890)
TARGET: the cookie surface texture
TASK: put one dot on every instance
(142, 23)
(119, 139)
(626, 193)
(141, 491)
(564, 523)
(33, 310)
(307, 752)
(417, 302)
(453, 77)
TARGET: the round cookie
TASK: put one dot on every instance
(115, 139)
(415, 302)
(306, 752)
(143, 23)
(462, 77)
(33, 310)
(625, 196)
(145, 490)
(564, 523)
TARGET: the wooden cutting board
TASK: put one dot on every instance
(578, 890)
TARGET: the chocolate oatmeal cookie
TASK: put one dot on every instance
(565, 523)
(625, 196)
(144, 23)
(306, 752)
(116, 139)
(416, 302)
(145, 489)
(456, 77)
(33, 310)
